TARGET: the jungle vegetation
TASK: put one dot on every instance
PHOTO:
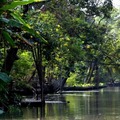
(74, 40)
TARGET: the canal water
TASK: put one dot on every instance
(86, 105)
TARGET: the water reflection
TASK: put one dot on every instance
(91, 105)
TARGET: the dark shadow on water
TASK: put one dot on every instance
(97, 102)
(42, 112)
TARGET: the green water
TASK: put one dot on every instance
(90, 105)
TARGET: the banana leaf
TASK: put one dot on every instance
(8, 38)
(27, 27)
(14, 4)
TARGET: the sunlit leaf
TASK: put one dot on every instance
(14, 4)
(17, 17)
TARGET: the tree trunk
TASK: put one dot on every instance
(37, 55)
(33, 74)
(90, 72)
(68, 70)
(9, 60)
(7, 66)
(97, 76)
(111, 76)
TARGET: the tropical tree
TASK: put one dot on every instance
(12, 29)
(85, 33)
(111, 48)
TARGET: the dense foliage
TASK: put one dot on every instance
(74, 40)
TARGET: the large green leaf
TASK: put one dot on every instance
(4, 77)
(14, 4)
(8, 38)
(10, 22)
(17, 17)
(27, 27)
(14, 23)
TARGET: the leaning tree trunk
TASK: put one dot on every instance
(97, 75)
(90, 72)
(68, 69)
(111, 76)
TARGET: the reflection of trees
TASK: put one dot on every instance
(87, 105)
(34, 112)
(103, 103)
(93, 103)
(97, 102)
(42, 113)
(60, 110)
(51, 110)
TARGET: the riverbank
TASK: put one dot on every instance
(83, 88)
(28, 92)
(33, 102)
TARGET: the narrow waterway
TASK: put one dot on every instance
(86, 105)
